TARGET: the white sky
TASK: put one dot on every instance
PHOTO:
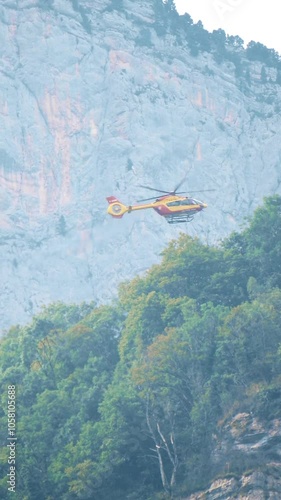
(257, 20)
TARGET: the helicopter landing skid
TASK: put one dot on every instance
(179, 219)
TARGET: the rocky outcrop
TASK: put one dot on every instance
(93, 102)
(247, 454)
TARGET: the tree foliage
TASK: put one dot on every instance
(123, 401)
(223, 47)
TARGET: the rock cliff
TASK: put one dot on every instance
(251, 447)
(94, 102)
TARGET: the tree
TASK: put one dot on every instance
(258, 52)
(173, 379)
(218, 45)
(234, 42)
(123, 402)
(263, 240)
(247, 348)
(263, 75)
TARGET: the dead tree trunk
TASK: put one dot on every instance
(163, 445)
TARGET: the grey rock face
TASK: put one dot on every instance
(94, 103)
(242, 438)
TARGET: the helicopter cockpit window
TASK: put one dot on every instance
(188, 201)
(173, 203)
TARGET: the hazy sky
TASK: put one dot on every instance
(257, 20)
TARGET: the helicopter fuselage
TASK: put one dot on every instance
(173, 207)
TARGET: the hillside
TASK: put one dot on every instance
(173, 391)
(99, 97)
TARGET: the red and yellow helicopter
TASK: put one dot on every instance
(174, 208)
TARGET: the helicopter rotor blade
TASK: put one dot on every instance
(194, 191)
(180, 184)
(175, 194)
(147, 199)
(153, 189)
(202, 191)
(181, 192)
(189, 167)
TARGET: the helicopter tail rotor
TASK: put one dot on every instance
(116, 208)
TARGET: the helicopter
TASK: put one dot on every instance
(175, 208)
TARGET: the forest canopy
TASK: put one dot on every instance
(123, 401)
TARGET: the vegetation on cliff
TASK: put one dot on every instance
(122, 401)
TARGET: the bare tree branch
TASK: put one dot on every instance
(161, 443)
(157, 450)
